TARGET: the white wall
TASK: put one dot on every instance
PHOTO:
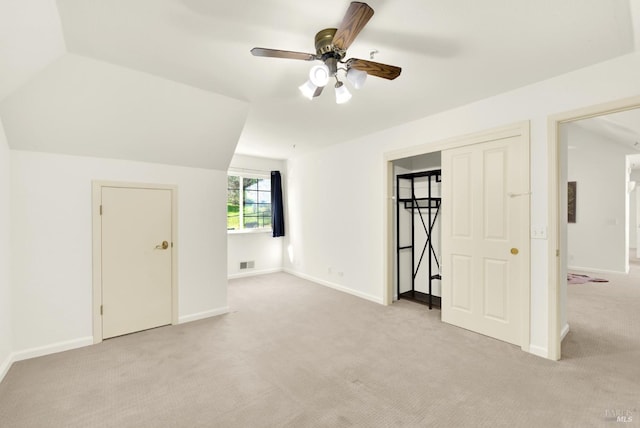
(259, 247)
(597, 240)
(335, 217)
(51, 243)
(6, 336)
(336, 195)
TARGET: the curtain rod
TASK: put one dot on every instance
(249, 170)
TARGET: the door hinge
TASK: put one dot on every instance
(100, 209)
(100, 309)
(557, 253)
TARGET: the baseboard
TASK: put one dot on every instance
(53, 348)
(593, 270)
(5, 366)
(564, 332)
(203, 315)
(539, 351)
(338, 287)
(253, 273)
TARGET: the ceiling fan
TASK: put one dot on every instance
(331, 48)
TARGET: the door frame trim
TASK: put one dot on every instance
(514, 130)
(96, 197)
(556, 246)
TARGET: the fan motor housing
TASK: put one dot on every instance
(324, 41)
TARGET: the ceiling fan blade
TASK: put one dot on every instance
(375, 68)
(276, 53)
(318, 91)
(353, 22)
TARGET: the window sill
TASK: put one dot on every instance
(248, 231)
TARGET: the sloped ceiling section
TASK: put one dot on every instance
(30, 39)
(81, 106)
(59, 102)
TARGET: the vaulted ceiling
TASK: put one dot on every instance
(172, 81)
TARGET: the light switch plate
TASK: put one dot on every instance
(538, 231)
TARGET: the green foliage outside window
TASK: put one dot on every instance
(254, 196)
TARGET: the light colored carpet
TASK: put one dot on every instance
(295, 354)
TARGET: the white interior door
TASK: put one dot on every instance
(485, 244)
(136, 259)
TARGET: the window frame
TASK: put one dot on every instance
(245, 175)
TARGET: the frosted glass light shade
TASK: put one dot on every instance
(319, 75)
(342, 93)
(308, 89)
(356, 77)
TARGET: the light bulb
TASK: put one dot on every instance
(308, 89)
(319, 75)
(342, 93)
(356, 77)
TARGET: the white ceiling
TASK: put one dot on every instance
(622, 127)
(451, 52)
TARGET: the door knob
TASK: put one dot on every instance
(163, 246)
(514, 251)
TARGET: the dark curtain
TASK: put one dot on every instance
(277, 211)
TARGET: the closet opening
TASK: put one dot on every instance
(417, 196)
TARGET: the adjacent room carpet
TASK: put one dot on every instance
(295, 354)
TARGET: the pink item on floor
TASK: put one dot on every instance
(575, 278)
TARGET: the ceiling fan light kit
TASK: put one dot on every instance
(319, 75)
(356, 77)
(308, 89)
(331, 47)
(342, 93)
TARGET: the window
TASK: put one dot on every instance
(248, 203)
